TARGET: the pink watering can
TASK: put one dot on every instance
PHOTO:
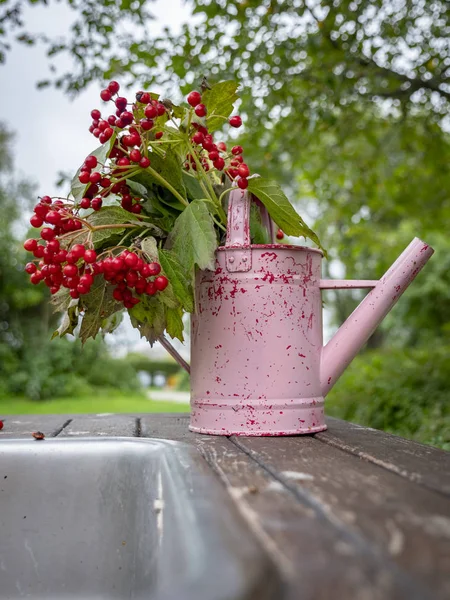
(258, 365)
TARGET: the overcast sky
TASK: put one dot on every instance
(51, 131)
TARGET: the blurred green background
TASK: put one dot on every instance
(346, 104)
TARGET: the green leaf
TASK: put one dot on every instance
(148, 317)
(98, 305)
(77, 189)
(69, 320)
(280, 209)
(61, 300)
(178, 279)
(150, 248)
(170, 169)
(110, 215)
(219, 100)
(193, 237)
(174, 323)
(193, 188)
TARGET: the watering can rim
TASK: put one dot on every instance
(270, 247)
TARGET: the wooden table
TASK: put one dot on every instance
(350, 513)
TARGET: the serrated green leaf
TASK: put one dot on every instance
(178, 279)
(219, 100)
(69, 321)
(193, 237)
(280, 209)
(98, 305)
(148, 317)
(61, 300)
(174, 323)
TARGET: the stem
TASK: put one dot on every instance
(226, 192)
(114, 226)
(167, 185)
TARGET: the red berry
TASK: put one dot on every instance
(36, 221)
(41, 210)
(74, 294)
(243, 183)
(91, 162)
(144, 162)
(112, 120)
(38, 252)
(70, 271)
(235, 121)
(135, 155)
(194, 98)
(237, 150)
(105, 182)
(84, 176)
(144, 97)
(47, 233)
(243, 170)
(136, 209)
(107, 134)
(127, 117)
(86, 280)
(154, 269)
(53, 217)
(96, 114)
(1, 424)
(30, 268)
(131, 260)
(158, 135)
(280, 234)
(78, 250)
(161, 283)
(200, 110)
(36, 277)
(151, 111)
(53, 245)
(214, 155)
(105, 95)
(113, 87)
(123, 162)
(83, 289)
(118, 295)
(222, 146)
(198, 137)
(95, 177)
(150, 288)
(30, 244)
(146, 124)
(90, 256)
(97, 203)
(121, 103)
(219, 164)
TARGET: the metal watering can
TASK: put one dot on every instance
(258, 364)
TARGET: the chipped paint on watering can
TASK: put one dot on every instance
(258, 366)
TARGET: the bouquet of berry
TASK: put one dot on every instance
(146, 209)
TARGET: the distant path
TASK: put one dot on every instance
(169, 396)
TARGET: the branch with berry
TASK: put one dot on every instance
(145, 210)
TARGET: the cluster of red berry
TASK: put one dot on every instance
(231, 163)
(76, 268)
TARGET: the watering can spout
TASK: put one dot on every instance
(360, 325)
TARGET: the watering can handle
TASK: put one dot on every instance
(238, 228)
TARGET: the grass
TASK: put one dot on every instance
(114, 402)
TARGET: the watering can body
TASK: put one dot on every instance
(258, 365)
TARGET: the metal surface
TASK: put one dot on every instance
(121, 518)
(258, 366)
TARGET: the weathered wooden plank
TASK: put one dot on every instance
(422, 464)
(22, 426)
(401, 521)
(101, 425)
(170, 426)
(318, 559)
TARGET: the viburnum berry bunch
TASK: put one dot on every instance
(146, 209)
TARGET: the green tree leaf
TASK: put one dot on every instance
(69, 321)
(174, 323)
(169, 167)
(178, 279)
(280, 209)
(148, 317)
(193, 238)
(98, 305)
(219, 100)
